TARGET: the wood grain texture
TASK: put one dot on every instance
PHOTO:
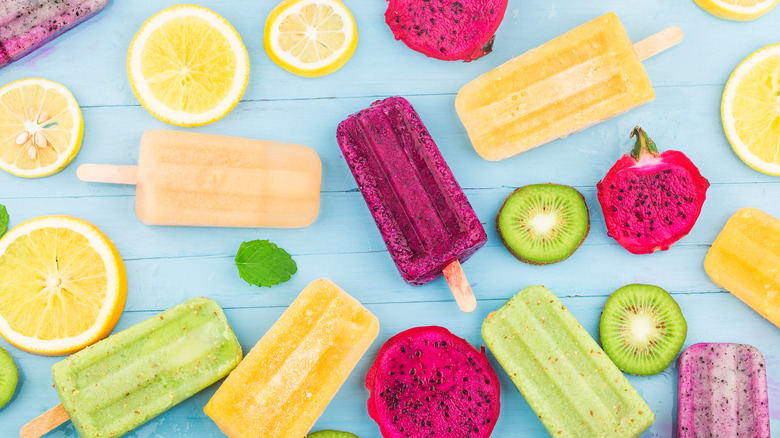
(167, 265)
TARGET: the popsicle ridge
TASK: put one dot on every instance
(425, 219)
(418, 184)
(275, 394)
(573, 387)
(744, 260)
(722, 392)
(289, 377)
(125, 380)
(568, 84)
(186, 178)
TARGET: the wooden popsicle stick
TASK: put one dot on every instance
(655, 44)
(108, 173)
(460, 287)
(45, 423)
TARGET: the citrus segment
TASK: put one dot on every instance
(188, 66)
(310, 37)
(63, 285)
(738, 10)
(40, 127)
(751, 110)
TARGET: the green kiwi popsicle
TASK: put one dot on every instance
(125, 380)
(571, 384)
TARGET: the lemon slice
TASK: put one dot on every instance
(738, 10)
(751, 110)
(188, 66)
(310, 37)
(62, 285)
(40, 127)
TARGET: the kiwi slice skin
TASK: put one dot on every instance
(9, 377)
(570, 232)
(331, 434)
(642, 329)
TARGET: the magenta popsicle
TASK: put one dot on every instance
(26, 25)
(722, 392)
(425, 219)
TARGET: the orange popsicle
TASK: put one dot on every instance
(185, 178)
(581, 78)
(745, 260)
(286, 381)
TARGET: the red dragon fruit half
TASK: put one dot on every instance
(427, 382)
(651, 200)
(446, 29)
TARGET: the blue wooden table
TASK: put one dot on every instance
(165, 266)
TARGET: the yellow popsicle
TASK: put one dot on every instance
(745, 260)
(572, 82)
(286, 381)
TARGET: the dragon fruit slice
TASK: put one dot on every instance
(446, 29)
(427, 382)
(651, 200)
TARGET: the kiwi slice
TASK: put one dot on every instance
(543, 223)
(9, 376)
(642, 329)
(331, 434)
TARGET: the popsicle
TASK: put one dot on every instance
(722, 392)
(566, 378)
(286, 381)
(581, 78)
(425, 219)
(125, 380)
(191, 179)
(745, 260)
(26, 25)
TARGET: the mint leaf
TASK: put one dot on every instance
(3, 220)
(264, 264)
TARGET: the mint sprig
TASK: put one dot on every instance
(264, 264)
(3, 220)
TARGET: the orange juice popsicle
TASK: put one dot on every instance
(745, 260)
(286, 381)
(185, 178)
(581, 78)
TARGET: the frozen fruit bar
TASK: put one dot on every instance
(569, 382)
(125, 380)
(745, 260)
(581, 78)
(425, 219)
(722, 392)
(192, 179)
(26, 25)
(293, 372)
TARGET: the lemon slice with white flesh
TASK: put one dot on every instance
(751, 110)
(40, 127)
(188, 66)
(310, 37)
(738, 10)
(62, 285)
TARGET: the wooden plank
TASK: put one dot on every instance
(384, 66)
(345, 224)
(711, 317)
(169, 265)
(680, 118)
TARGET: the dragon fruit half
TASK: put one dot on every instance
(427, 382)
(446, 29)
(651, 200)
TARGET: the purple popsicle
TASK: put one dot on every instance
(425, 219)
(26, 25)
(722, 392)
